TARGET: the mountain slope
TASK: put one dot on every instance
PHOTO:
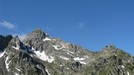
(40, 54)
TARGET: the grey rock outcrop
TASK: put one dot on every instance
(40, 54)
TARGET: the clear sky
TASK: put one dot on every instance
(91, 24)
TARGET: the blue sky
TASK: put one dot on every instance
(91, 24)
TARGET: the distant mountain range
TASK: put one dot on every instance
(40, 54)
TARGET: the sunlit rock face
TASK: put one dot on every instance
(40, 54)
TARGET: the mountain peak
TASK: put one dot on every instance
(39, 32)
(39, 54)
(16, 43)
(34, 37)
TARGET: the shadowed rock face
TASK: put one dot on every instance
(4, 40)
(40, 54)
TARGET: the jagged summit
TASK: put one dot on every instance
(35, 36)
(16, 43)
(40, 54)
(38, 32)
(15, 39)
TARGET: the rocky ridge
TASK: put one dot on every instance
(40, 54)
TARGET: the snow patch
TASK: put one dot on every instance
(59, 47)
(56, 47)
(38, 66)
(47, 72)
(47, 39)
(16, 74)
(67, 68)
(18, 69)
(1, 54)
(42, 55)
(65, 58)
(78, 59)
(122, 66)
(83, 62)
(127, 73)
(85, 56)
(17, 46)
(7, 63)
(33, 49)
(70, 52)
(63, 46)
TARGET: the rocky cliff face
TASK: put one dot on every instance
(4, 40)
(40, 54)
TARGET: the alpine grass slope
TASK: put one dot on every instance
(40, 54)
